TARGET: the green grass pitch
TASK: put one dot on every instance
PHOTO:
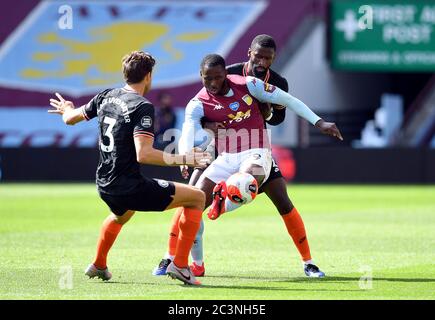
(48, 234)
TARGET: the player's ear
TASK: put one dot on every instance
(148, 77)
(249, 52)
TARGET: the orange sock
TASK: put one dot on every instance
(190, 221)
(296, 229)
(109, 232)
(173, 232)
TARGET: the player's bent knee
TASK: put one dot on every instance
(198, 199)
(123, 219)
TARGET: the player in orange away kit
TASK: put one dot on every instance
(261, 55)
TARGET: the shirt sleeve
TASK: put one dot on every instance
(143, 124)
(89, 110)
(278, 115)
(265, 92)
(192, 125)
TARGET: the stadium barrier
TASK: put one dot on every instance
(312, 165)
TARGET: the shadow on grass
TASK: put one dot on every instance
(356, 279)
(233, 287)
(211, 286)
(263, 288)
(326, 279)
(335, 279)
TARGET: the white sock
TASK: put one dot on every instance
(198, 262)
(168, 256)
(308, 262)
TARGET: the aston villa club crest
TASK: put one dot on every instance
(248, 99)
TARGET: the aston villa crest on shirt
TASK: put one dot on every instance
(248, 99)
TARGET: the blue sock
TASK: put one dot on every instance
(197, 250)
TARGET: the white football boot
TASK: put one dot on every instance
(183, 274)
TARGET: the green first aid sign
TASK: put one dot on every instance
(394, 35)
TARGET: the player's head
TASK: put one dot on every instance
(261, 54)
(137, 66)
(214, 74)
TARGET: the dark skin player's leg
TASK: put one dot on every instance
(256, 171)
(206, 185)
(196, 174)
(276, 190)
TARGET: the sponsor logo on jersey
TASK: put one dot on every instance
(162, 183)
(218, 107)
(239, 116)
(256, 156)
(146, 122)
(234, 106)
(269, 88)
(248, 99)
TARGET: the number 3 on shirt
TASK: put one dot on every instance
(111, 122)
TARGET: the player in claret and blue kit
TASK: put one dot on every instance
(233, 102)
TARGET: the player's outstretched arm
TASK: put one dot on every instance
(70, 115)
(328, 128)
(146, 154)
(268, 93)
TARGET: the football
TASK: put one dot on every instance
(241, 188)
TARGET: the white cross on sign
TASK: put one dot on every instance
(349, 26)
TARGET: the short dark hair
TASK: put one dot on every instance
(213, 60)
(265, 41)
(136, 65)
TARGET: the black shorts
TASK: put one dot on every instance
(275, 173)
(150, 195)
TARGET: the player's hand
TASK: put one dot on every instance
(61, 105)
(198, 158)
(184, 171)
(328, 128)
(214, 126)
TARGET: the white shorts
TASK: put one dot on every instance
(227, 164)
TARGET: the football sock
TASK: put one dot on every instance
(109, 231)
(296, 229)
(189, 226)
(173, 232)
(168, 256)
(197, 249)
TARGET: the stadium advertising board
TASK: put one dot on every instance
(396, 35)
